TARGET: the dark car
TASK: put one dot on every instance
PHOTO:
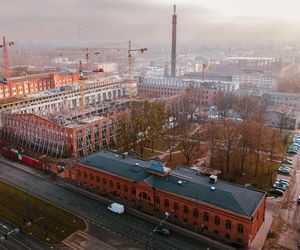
(298, 200)
(276, 191)
(162, 230)
(287, 161)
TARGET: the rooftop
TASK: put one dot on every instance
(182, 181)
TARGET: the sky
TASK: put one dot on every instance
(149, 21)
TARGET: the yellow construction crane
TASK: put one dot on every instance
(130, 65)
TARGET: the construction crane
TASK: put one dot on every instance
(5, 44)
(130, 65)
(97, 51)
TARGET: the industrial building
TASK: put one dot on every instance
(54, 124)
(218, 209)
(205, 92)
(20, 86)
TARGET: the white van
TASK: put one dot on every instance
(116, 208)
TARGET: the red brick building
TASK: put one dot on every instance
(20, 86)
(218, 209)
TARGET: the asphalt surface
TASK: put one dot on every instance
(121, 231)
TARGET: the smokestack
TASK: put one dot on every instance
(173, 56)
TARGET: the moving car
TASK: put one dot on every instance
(162, 230)
(116, 208)
(276, 191)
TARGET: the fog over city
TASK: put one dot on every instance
(70, 21)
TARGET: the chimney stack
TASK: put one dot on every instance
(173, 56)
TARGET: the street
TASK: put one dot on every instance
(121, 232)
(286, 213)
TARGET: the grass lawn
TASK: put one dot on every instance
(55, 224)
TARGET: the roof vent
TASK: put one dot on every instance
(212, 188)
(213, 179)
(116, 155)
(179, 182)
(137, 164)
(124, 155)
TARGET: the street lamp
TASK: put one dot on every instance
(151, 234)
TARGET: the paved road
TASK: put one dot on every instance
(123, 232)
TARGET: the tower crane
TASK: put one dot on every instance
(130, 65)
(5, 44)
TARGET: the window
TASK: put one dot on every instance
(111, 183)
(217, 220)
(185, 209)
(195, 212)
(205, 216)
(166, 203)
(157, 199)
(118, 185)
(240, 228)
(176, 206)
(216, 231)
(104, 181)
(79, 172)
(125, 189)
(227, 236)
(97, 179)
(228, 224)
(84, 174)
(91, 176)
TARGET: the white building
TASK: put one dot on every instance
(256, 81)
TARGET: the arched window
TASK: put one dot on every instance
(228, 224)
(144, 196)
(166, 203)
(217, 220)
(240, 228)
(205, 216)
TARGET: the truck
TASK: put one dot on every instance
(116, 208)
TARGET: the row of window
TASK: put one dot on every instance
(195, 212)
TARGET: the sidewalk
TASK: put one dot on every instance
(262, 233)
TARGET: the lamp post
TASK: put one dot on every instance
(151, 234)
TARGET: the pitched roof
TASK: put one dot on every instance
(128, 167)
(182, 181)
(235, 198)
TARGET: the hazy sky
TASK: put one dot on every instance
(149, 20)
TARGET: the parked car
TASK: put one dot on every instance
(276, 191)
(298, 200)
(286, 167)
(283, 183)
(283, 188)
(283, 171)
(162, 230)
(287, 161)
(292, 150)
(283, 180)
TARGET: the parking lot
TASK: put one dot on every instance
(284, 206)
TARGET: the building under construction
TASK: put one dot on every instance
(55, 125)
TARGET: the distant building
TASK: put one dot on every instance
(20, 86)
(256, 79)
(205, 205)
(279, 98)
(205, 91)
(282, 117)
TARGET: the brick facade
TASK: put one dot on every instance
(198, 216)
